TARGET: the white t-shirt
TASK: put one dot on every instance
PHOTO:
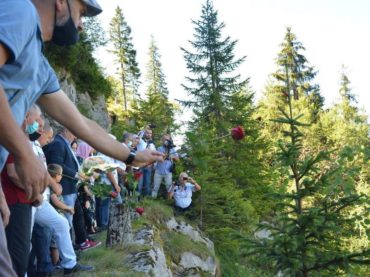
(183, 194)
(144, 145)
(36, 147)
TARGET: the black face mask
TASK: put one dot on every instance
(34, 136)
(66, 34)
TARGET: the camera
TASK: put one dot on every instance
(168, 143)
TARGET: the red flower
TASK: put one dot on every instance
(137, 175)
(237, 133)
(140, 210)
(113, 194)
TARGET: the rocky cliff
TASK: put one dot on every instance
(175, 248)
(159, 245)
(94, 109)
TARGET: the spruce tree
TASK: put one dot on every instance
(313, 219)
(212, 65)
(345, 90)
(155, 107)
(230, 172)
(125, 54)
(306, 93)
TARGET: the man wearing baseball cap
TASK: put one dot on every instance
(26, 77)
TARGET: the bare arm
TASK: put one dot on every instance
(57, 188)
(87, 191)
(58, 106)
(59, 204)
(31, 172)
(197, 186)
(115, 185)
(171, 191)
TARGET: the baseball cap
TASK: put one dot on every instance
(92, 7)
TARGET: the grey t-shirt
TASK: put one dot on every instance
(27, 74)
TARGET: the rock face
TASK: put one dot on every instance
(154, 261)
(94, 109)
(189, 231)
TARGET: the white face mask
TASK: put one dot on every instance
(129, 144)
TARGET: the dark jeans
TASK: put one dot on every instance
(145, 183)
(18, 236)
(79, 224)
(41, 240)
(102, 211)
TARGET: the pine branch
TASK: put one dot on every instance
(344, 259)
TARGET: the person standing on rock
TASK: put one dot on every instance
(26, 77)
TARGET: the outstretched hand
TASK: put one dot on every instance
(147, 157)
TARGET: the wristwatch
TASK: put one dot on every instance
(130, 158)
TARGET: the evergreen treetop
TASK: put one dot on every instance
(212, 66)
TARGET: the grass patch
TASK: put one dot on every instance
(156, 212)
(175, 244)
(110, 262)
(139, 223)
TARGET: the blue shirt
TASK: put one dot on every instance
(27, 74)
(164, 167)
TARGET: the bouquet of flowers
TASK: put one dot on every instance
(97, 165)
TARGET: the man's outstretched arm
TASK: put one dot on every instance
(59, 107)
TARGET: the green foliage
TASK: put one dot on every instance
(155, 107)
(300, 73)
(123, 50)
(79, 62)
(101, 190)
(212, 65)
(156, 212)
(313, 217)
(231, 173)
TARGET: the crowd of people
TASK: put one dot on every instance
(40, 202)
(43, 235)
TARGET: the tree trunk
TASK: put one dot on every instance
(119, 227)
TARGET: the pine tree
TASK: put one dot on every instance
(230, 172)
(306, 93)
(313, 220)
(155, 108)
(212, 65)
(95, 34)
(345, 90)
(123, 49)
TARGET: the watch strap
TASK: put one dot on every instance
(130, 158)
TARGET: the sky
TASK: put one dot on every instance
(334, 33)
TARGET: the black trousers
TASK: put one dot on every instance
(182, 210)
(79, 223)
(18, 236)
